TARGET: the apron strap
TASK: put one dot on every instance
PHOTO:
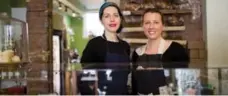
(161, 46)
(106, 38)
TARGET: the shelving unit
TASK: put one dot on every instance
(133, 31)
(143, 41)
(169, 28)
(140, 12)
(12, 65)
(13, 53)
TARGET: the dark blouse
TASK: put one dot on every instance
(102, 54)
(95, 54)
(149, 81)
(176, 56)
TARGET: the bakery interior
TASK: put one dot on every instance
(42, 41)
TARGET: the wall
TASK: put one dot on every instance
(17, 3)
(57, 21)
(39, 46)
(79, 41)
(217, 32)
(193, 34)
(216, 28)
(5, 7)
(19, 13)
(89, 20)
(75, 38)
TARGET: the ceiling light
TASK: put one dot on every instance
(74, 14)
(60, 6)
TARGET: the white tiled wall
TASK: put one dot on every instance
(217, 32)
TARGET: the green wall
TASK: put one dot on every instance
(6, 5)
(78, 41)
(18, 3)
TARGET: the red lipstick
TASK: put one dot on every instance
(112, 25)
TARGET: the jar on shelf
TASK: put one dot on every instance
(13, 41)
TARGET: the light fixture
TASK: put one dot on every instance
(66, 9)
(60, 6)
(74, 14)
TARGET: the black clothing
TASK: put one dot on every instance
(95, 53)
(102, 54)
(175, 56)
(149, 81)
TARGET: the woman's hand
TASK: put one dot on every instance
(148, 68)
(153, 68)
(139, 68)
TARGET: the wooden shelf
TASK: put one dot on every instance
(13, 79)
(127, 13)
(25, 79)
(139, 29)
(37, 79)
(12, 65)
(144, 41)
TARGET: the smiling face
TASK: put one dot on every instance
(152, 25)
(111, 19)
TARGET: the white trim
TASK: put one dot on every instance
(141, 50)
(167, 28)
(144, 41)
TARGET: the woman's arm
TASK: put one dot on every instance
(181, 56)
(87, 58)
(88, 55)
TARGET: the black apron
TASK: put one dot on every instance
(149, 81)
(118, 65)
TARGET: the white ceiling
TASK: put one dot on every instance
(92, 4)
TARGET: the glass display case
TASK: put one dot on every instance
(13, 41)
(13, 82)
(13, 56)
(175, 81)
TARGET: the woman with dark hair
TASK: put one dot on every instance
(108, 48)
(109, 52)
(158, 53)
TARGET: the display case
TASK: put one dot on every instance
(177, 81)
(13, 82)
(13, 42)
(13, 56)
